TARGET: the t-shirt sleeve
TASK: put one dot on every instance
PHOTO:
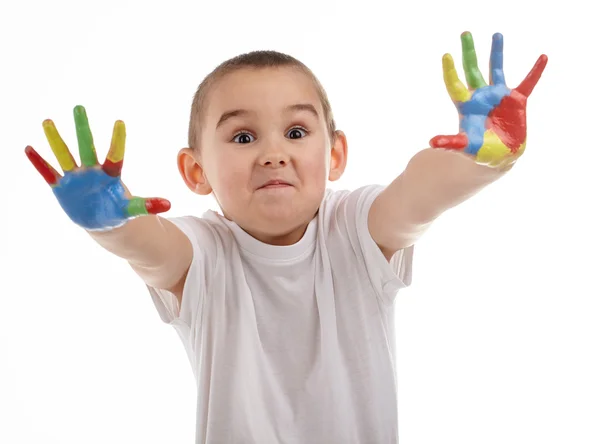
(386, 277)
(197, 283)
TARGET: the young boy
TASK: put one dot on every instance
(284, 302)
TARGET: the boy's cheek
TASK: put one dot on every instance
(315, 169)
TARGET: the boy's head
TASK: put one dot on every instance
(260, 117)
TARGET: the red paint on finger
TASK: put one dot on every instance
(113, 169)
(157, 205)
(456, 142)
(49, 174)
(527, 85)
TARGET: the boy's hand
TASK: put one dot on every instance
(493, 125)
(93, 196)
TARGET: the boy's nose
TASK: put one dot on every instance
(274, 159)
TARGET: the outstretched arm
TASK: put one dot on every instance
(492, 137)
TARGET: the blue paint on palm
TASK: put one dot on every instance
(475, 112)
(92, 199)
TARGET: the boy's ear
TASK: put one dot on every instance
(192, 172)
(339, 156)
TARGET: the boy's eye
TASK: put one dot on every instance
(296, 133)
(242, 138)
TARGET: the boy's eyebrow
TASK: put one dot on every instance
(244, 112)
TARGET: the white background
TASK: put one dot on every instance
(498, 337)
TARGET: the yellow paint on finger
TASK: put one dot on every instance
(116, 152)
(457, 90)
(58, 146)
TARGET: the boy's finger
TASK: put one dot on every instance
(49, 174)
(138, 206)
(527, 85)
(87, 151)
(457, 90)
(497, 60)
(59, 147)
(454, 142)
(474, 77)
(114, 159)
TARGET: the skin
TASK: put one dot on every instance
(269, 141)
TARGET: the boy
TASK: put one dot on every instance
(285, 301)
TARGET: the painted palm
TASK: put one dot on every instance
(493, 124)
(92, 195)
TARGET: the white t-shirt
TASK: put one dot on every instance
(292, 344)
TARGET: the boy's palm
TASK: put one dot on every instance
(92, 195)
(493, 126)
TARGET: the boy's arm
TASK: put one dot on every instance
(492, 137)
(158, 251)
(433, 182)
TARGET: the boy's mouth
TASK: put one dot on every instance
(275, 183)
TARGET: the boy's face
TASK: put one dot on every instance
(263, 125)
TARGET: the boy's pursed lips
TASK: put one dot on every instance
(275, 183)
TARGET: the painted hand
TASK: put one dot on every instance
(93, 196)
(493, 125)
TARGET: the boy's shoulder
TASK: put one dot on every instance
(362, 191)
(208, 229)
(342, 202)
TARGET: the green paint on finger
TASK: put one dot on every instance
(87, 151)
(137, 207)
(474, 77)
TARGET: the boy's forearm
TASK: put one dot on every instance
(434, 181)
(134, 240)
(156, 249)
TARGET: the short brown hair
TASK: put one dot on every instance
(257, 60)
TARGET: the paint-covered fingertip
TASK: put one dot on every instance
(497, 49)
(447, 61)
(466, 39)
(157, 205)
(79, 109)
(119, 125)
(540, 64)
(48, 122)
(31, 154)
(438, 142)
(497, 42)
(542, 61)
(456, 142)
